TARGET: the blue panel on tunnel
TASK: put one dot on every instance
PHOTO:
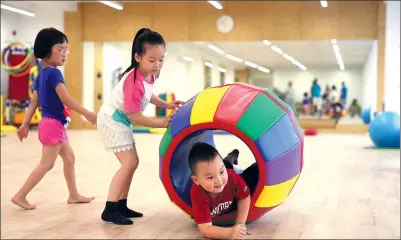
(180, 172)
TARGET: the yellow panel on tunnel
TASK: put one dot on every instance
(274, 195)
(206, 104)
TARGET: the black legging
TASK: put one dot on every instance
(250, 174)
(337, 114)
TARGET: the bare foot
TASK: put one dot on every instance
(22, 202)
(79, 199)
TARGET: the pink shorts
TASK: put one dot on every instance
(51, 131)
(306, 108)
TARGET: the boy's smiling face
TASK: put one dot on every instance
(211, 175)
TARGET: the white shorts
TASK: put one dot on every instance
(115, 136)
(318, 102)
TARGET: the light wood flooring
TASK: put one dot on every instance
(345, 191)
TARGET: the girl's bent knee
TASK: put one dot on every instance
(130, 166)
(46, 166)
(70, 160)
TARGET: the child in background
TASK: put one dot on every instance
(355, 109)
(128, 100)
(335, 103)
(50, 91)
(306, 103)
(334, 96)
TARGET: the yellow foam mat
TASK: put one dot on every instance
(206, 103)
(274, 195)
(158, 130)
(8, 128)
(169, 99)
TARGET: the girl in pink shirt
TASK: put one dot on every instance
(115, 118)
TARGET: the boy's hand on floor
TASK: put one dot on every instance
(238, 231)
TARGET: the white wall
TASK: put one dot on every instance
(369, 75)
(302, 80)
(230, 76)
(8, 20)
(184, 79)
(261, 79)
(47, 14)
(89, 76)
(113, 57)
(392, 57)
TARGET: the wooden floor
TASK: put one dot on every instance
(345, 191)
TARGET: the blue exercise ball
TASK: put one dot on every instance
(366, 115)
(384, 130)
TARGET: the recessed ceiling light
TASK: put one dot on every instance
(208, 64)
(298, 64)
(112, 4)
(339, 58)
(16, 10)
(288, 57)
(266, 42)
(222, 69)
(189, 59)
(262, 69)
(216, 4)
(235, 59)
(323, 3)
(277, 50)
(251, 64)
(216, 49)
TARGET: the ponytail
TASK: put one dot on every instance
(134, 63)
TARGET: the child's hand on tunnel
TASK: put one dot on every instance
(167, 119)
(175, 104)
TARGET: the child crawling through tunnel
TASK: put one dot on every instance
(218, 189)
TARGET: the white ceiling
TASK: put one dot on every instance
(312, 54)
(34, 6)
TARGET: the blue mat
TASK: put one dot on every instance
(381, 148)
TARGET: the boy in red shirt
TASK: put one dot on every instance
(218, 190)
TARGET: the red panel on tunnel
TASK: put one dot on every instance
(234, 103)
(170, 188)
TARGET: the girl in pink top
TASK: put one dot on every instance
(115, 118)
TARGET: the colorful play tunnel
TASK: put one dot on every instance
(255, 115)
